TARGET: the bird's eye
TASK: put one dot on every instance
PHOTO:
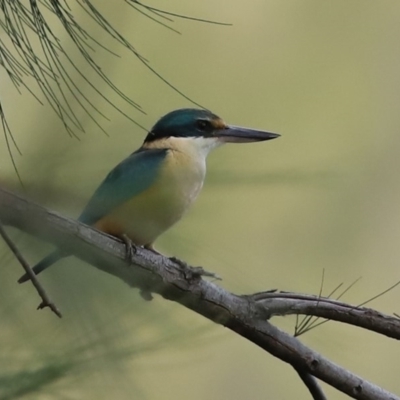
(203, 125)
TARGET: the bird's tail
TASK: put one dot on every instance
(42, 265)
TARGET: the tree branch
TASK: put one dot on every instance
(155, 273)
(284, 303)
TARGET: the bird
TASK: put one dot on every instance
(151, 189)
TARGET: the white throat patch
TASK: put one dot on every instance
(200, 145)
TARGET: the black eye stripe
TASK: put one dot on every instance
(204, 125)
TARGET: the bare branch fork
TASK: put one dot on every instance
(246, 315)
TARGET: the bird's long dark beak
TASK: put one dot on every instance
(238, 134)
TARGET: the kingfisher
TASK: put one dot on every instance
(152, 188)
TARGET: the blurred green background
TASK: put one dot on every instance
(324, 196)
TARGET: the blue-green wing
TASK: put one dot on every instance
(129, 178)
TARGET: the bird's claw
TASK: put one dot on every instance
(130, 247)
(181, 263)
(193, 272)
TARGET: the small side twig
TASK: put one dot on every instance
(287, 303)
(311, 384)
(46, 301)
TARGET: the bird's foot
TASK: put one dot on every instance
(130, 247)
(193, 272)
(181, 263)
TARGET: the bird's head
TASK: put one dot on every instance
(204, 128)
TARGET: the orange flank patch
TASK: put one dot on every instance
(110, 226)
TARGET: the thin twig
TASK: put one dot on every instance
(158, 11)
(305, 324)
(312, 384)
(313, 323)
(46, 301)
(286, 303)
